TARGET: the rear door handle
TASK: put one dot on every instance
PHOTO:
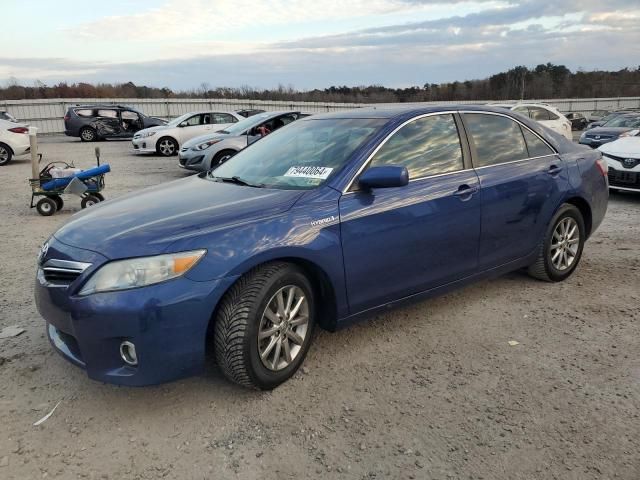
(554, 170)
(465, 191)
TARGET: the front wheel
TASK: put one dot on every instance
(167, 147)
(46, 206)
(562, 246)
(264, 326)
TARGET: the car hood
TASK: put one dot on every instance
(607, 130)
(147, 222)
(204, 138)
(157, 128)
(628, 147)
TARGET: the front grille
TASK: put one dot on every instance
(626, 162)
(619, 178)
(599, 137)
(182, 161)
(63, 272)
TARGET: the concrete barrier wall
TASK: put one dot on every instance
(48, 114)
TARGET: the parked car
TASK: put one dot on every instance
(623, 158)
(14, 140)
(331, 219)
(597, 115)
(547, 115)
(4, 115)
(99, 122)
(205, 152)
(611, 130)
(249, 112)
(578, 121)
(166, 139)
(610, 116)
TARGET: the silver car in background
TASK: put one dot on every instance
(206, 151)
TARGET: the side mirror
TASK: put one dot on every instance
(182, 125)
(384, 177)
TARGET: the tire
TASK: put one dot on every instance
(550, 266)
(46, 206)
(222, 157)
(99, 196)
(59, 202)
(88, 134)
(242, 315)
(6, 154)
(167, 147)
(89, 201)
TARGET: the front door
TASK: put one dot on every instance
(404, 240)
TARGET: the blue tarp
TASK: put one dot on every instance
(58, 183)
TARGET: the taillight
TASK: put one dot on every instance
(19, 130)
(602, 166)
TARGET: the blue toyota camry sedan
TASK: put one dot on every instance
(319, 224)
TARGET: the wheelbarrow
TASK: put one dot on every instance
(62, 178)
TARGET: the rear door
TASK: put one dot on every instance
(404, 240)
(522, 181)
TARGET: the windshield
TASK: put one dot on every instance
(242, 125)
(621, 121)
(179, 120)
(302, 155)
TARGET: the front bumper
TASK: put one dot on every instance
(190, 160)
(622, 178)
(144, 145)
(166, 322)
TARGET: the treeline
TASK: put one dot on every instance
(544, 81)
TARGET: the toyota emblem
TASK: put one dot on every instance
(629, 162)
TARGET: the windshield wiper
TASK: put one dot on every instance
(237, 180)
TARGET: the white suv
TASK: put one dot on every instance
(547, 115)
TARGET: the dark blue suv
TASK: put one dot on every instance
(328, 220)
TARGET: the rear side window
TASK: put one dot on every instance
(536, 147)
(497, 139)
(522, 111)
(84, 112)
(426, 146)
(538, 113)
(223, 118)
(108, 113)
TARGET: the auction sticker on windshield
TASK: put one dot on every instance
(309, 172)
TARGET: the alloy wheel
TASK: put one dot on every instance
(4, 155)
(283, 328)
(167, 147)
(565, 243)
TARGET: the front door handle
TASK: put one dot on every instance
(554, 170)
(465, 192)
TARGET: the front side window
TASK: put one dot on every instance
(523, 111)
(129, 115)
(497, 139)
(426, 146)
(193, 121)
(302, 156)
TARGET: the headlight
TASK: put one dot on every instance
(631, 133)
(147, 134)
(205, 145)
(139, 272)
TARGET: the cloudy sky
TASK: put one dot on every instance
(308, 43)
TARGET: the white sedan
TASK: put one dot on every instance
(545, 114)
(166, 139)
(14, 140)
(623, 159)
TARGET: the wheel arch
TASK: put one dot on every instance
(585, 209)
(324, 290)
(9, 147)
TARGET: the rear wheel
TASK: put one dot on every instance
(46, 206)
(167, 147)
(264, 326)
(59, 202)
(562, 247)
(5, 154)
(99, 196)
(89, 201)
(88, 134)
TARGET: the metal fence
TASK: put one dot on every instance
(48, 114)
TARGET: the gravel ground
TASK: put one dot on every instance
(429, 391)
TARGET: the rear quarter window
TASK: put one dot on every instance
(535, 146)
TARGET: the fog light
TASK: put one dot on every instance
(128, 353)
